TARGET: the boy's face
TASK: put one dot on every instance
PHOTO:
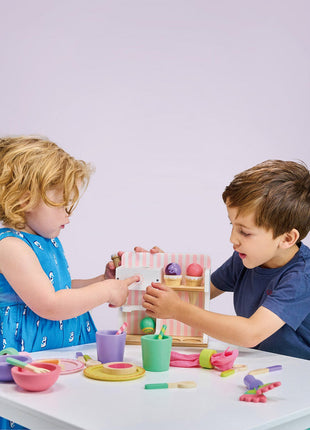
(255, 245)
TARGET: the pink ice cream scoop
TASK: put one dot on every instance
(194, 269)
(173, 269)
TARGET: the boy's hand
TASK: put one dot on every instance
(118, 290)
(110, 268)
(154, 250)
(160, 301)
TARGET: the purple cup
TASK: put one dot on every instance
(5, 367)
(110, 346)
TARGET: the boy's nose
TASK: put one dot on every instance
(233, 238)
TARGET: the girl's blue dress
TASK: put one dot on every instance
(24, 330)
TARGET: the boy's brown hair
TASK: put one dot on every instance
(279, 194)
(29, 167)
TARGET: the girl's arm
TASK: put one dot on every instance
(163, 302)
(21, 268)
(79, 283)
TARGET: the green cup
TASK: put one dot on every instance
(156, 352)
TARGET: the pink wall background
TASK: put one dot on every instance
(169, 99)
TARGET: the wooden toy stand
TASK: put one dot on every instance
(150, 268)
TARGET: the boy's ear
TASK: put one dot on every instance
(289, 239)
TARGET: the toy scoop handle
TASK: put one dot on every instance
(16, 362)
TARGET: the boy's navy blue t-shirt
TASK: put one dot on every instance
(285, 291)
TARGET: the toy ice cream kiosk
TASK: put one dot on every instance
(187, 274)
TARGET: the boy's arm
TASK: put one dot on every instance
(214, 292)
(163, 302)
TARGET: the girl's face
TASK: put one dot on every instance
(255, 245)
(47, 221)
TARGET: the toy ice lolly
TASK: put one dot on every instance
(265, 370)
(235, 369)
(184, 384)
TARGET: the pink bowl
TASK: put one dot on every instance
(31, 381)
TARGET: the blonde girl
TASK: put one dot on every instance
(40, 306)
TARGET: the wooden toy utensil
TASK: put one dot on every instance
(183, 384)
(21, 364)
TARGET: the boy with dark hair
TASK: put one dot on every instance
(269, 271)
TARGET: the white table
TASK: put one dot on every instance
(76, 402)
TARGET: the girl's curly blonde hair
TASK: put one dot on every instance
(29, 167)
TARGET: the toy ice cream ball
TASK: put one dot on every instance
(194, 275)
(173, 269)
(173, 274)
(147, 325)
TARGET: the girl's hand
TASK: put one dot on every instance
(154, 250)
(110, 268)
(118, 290)
(160, 301)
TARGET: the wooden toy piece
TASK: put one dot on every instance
(252, 383)
(21, 364)
(116, 259)
(235, 369)
(173, 275)
(147, 276)
(9, 351)
(122, 328)
(194, 275)
(205, 358)
(184, 384)
(147, 325)
(266, 370)
(80, 357)
(162, 331)
(256, 389)
(92, 363)
(254, 398)
(267, 387)
(49, 360)
(52, 361)
(119, 368)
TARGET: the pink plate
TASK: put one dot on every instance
(67, 365)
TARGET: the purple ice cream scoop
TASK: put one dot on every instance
(173, 269)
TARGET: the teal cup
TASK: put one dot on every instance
(156, 352)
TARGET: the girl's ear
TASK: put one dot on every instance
(289, 239)
(24, 200)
